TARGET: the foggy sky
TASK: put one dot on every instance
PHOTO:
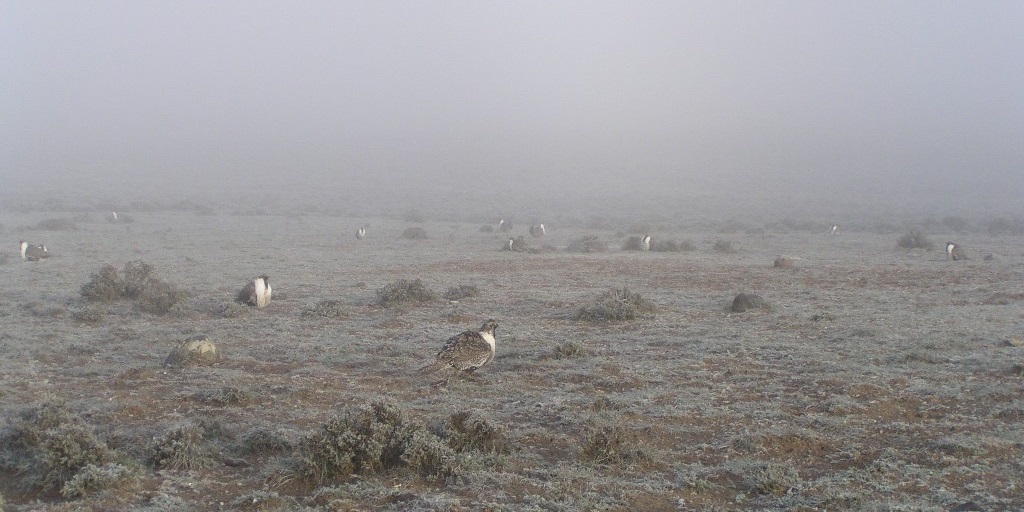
(491, 96)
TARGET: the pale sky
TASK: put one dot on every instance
(481, 93)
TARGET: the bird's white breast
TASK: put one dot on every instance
(489, 338)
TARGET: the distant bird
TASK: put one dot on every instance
(510, 245)
(504, 226)
(953, 252)
(256, 293)
(645, 243)
(361, 233)
(538, 230)
(834, 230)
(464, 353)
(33, 252)
(112, 218)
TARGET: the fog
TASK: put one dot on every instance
(782, 101)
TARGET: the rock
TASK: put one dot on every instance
(195, 350)
(991, 257)
(747, 301)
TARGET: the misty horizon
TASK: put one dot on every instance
(554, 101)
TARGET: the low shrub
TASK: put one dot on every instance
(92, 479)
(570, 350)
(617, 304)
(54, 444)
(329, 308)
(405, 292)
(180, 448)
(723, 247)
(414, 234)
(612, 444)
(587, 244)
(914, 240)
(365, 441)
(160, 297)
(461, 291)
(468, 430)
(672, 246)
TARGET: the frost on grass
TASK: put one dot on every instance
(617, 304)
(405, 292)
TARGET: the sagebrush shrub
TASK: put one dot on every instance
(405, 292)
(617, 304)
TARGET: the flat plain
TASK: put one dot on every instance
(876, 378)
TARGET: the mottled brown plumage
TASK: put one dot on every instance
(464, 352)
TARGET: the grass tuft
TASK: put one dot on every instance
(469, 430)
(328, 308)
(587, 244)
(612, 444)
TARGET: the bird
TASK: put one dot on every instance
(361, 233)
(645, 243)
(112, 218)
(953, 252)
(538, 230)
(256, 293)
(464, 353)
(504, 227)
(33, 252)
(834, 230)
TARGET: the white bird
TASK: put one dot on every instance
(835, 229)
(538, 230)
(361, 233)
(645, 243)
(256, 293)
(465, 352)
(504, 227)
(33, 252)
(112, 217)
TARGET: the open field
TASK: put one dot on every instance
(877, 378)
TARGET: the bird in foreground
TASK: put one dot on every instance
(256, 293)
(33, 252)
(538, 230)
(464, 353)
